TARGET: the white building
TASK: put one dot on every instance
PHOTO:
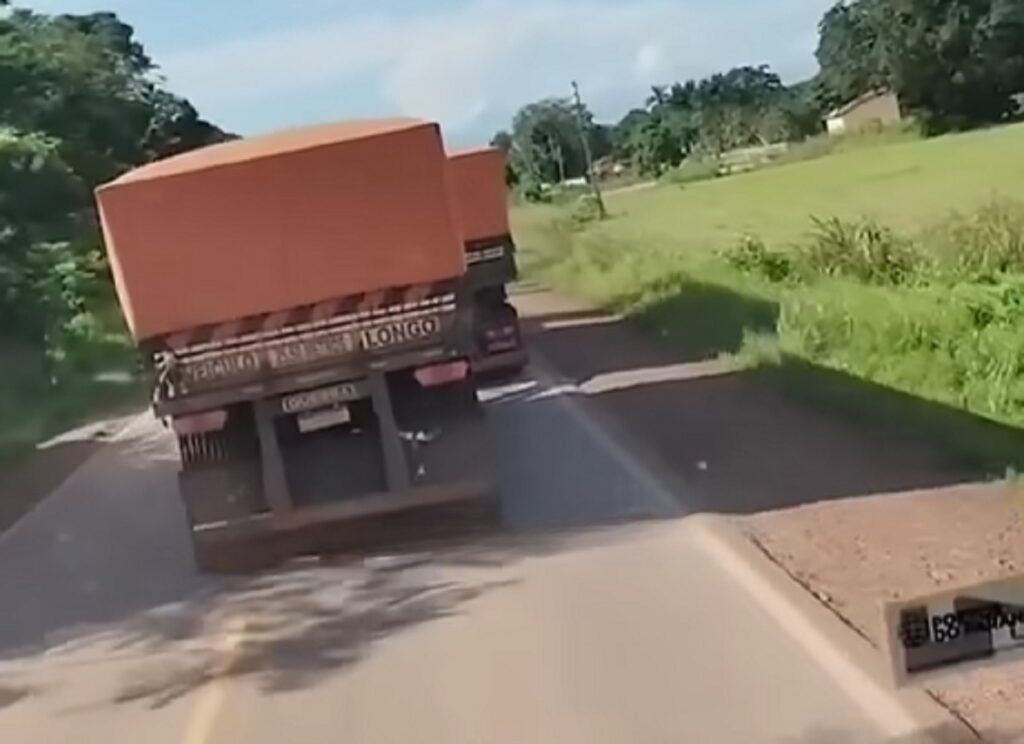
(874, 109)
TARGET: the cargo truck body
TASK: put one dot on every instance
(481, 202)
(304, 301)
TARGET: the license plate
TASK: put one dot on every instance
(310, 400)
(318, 420)
(487, 254)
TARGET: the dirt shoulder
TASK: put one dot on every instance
(855, 554)
(856, 513)
(27, 479)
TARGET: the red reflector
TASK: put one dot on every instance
(200, 423)
(442, 374)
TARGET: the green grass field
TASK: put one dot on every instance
(938, 338)
(905, 185)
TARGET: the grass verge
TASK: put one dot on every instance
(917, 333)
(100, 377)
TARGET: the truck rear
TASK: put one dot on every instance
(481, 201)
(304, 302)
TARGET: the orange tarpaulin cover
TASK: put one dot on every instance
(269, 223)
(478, 182)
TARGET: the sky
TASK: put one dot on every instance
(253, 66)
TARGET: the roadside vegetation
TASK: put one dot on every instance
(954, 65)
(881, 272)
(79, 104)
(899, 265)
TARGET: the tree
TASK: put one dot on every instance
(624, 134)
(176, 127)
(599, 137)
(42, 217)
(79, 104)
(743, 106)
(954, 62)
(85, 81)
(655, 147)
(117, 37)
(546, 140)
(958, 63)
(58, 80)
(848, 54)
(503, 141)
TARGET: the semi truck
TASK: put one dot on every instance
(481, 199)
(303, 301)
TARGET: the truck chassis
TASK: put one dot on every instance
(334, 435)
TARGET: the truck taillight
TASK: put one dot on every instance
(200, 423)
(441, 374)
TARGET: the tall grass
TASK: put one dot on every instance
(822, 145)
(938, 314)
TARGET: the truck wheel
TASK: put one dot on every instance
(516, 370)
(484, 513)
(491, 512)
(232, 557)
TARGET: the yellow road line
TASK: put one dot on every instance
(202, 720)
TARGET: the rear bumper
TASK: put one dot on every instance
(352, 515)
(417, 466)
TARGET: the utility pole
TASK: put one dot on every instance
(602, 212)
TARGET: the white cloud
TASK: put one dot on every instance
(486, 58)
(647, 64)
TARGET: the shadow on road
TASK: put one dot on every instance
(750, 441)
(104, 574)
(584, 343)
(111, 574)
(11, 695)
(106, 545)
(27, 477)
(295, 626)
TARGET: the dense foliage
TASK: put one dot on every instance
(957, 63)
(79, 104)
(544, 145)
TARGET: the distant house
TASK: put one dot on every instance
(874, 109)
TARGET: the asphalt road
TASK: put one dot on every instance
(561, 631)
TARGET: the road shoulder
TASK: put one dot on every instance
(26, 481)
(855, 554)
(753, 457)
(905, 715)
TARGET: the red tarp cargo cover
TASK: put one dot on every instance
(269, 223)
(478, 182)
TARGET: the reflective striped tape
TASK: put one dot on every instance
(321, 312)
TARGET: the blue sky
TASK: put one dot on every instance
(257, 65)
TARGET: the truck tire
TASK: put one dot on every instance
(233, 557)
